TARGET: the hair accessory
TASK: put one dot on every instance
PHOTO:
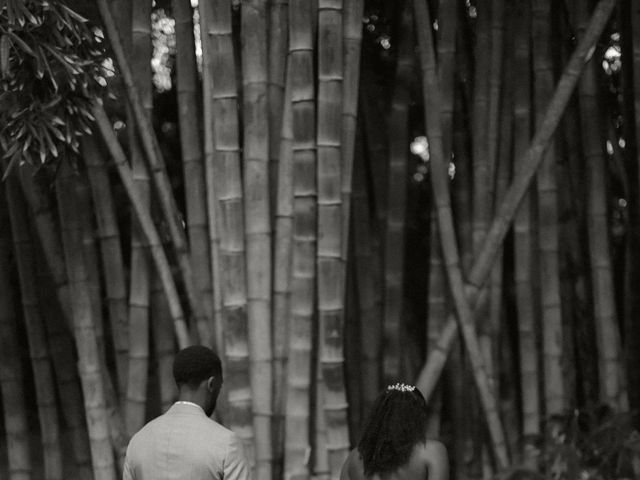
(401, 387)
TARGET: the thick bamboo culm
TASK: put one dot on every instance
(257, 226)
(331, 278)
(303, 266)
(148, 228)
(523, 248)
(141, 267)
(209, 160)
(611, 388)
(157, 166)
(193, 165)
(163, 343)
(397, 204)
(440, 188)
(11, 373)
(112, 259)
(36, 333)
(552, 329)
(484, 260)
(89, 364)
(229, 193)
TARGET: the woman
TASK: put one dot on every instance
(394, 445)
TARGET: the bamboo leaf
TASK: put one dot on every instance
(21, 43)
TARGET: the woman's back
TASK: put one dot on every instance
(427, 461)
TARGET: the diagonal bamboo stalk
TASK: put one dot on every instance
(112, 259)
(156, 163)
(527, 168)
(148, 228)
(440, 186)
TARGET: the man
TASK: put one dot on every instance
(185, 443)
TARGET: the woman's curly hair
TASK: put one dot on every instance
(397, 423)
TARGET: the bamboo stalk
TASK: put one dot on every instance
(40, 205)
(193, 164)
(282, 281)
(112, 260)
(155, 246)
(89, 365)
(610, 371)
(303, 268)
(370, 315)
(154, 157)
(38, 349)
(163, 343)
(278, 31)
(11, 372)
(140, 275)
(396, 203)
(68, 387)
(331, 281)
(352, 41)
(440, 188)
(209, 160)
(258, 223)
(523, 247)
(555, 395)
(227, 186)
(482, 265)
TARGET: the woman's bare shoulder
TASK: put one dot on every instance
(434, 456)
(435, 449)
(352, 468)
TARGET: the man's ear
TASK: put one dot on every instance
(211, 383)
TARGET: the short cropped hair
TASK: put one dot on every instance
(195, 364)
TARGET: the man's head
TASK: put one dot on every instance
(197, 371)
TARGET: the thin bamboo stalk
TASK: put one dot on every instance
(140, 276)
(303, 268)
(112, 260)
(148, 228)
(555, 395)
(193, 164)
(11, 372)
(229, 211)
(352, 33)
(495, 82)
(331, 281)
(439, 176)
(278, 32)
(523, 247)
(610, 371)
(257, 216)
(282, 281)
(528, 165)
(38, 349)
(89, 365)
(396, 202)
(157, 166)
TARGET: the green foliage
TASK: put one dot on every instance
(51, 68)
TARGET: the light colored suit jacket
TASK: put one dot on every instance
(184, 444)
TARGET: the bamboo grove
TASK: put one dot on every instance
(335, 195)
